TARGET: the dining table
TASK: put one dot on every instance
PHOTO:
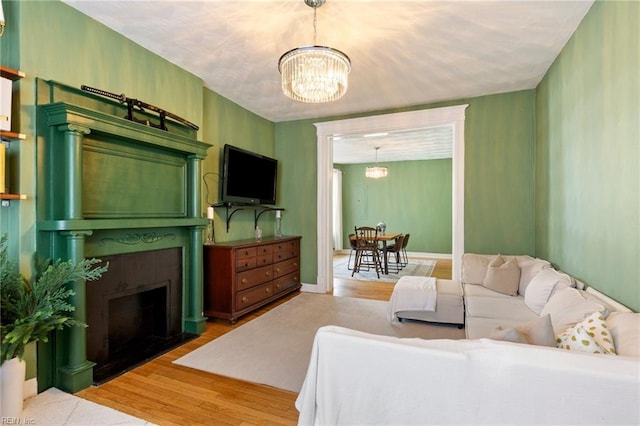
(387, 236)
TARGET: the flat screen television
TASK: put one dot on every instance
(248, 177)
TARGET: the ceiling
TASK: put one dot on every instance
(402, 52)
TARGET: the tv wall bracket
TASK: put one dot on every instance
(258, 210)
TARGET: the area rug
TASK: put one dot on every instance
(274, 349)
(415, 267)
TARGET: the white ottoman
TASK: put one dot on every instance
(449, 305)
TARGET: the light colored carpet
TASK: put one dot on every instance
(415, 267)
(274, 349)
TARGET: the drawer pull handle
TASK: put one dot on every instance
(277, 269)
(244, 281)
(277, 285)
(267, 290)
(267, 273)
(295, 263)
(245, 299)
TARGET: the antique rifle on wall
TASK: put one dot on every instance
(135, 104)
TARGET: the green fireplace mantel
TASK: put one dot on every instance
(107, 185)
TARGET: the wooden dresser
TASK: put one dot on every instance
(241, 276)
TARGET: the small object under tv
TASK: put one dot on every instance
(248, 177)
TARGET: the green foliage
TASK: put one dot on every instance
(30, 311)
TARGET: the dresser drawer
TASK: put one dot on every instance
(246, 263)
(253, 277)
(243, 253)
(264, 250)
(264, 259)
(286, 282)
(286, 267)
(249, 297)
(285, 250)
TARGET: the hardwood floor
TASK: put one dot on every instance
(168, 394)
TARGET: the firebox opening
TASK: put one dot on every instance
(135, 311)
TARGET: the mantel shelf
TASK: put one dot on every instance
(258, 210)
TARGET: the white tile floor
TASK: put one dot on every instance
(54, 407)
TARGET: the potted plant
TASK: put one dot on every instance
(32, 309)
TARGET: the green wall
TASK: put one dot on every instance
(229, 123)
(415, 198)
(499, 174)
(588, 156)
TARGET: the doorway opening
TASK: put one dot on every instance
(326, 131)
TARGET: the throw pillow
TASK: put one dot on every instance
(625, 330)
(589, 335)
(568, 307)
(541, 286)
(537, 332)
(502, 276)
(474, 268)
(529, 267)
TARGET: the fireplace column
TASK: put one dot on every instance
(194, 320)
(72, 169)
(74, 371)
(77, 371)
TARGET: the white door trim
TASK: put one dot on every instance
(325, 131)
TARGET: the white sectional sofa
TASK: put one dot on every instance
(511, 369)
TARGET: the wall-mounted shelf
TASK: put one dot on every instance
(8, 136)
(11, 73)
(11, 136)
(6, 198)
(258, 210)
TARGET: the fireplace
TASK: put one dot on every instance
(134, 311)
(126, 193)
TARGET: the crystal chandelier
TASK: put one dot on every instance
(376, 172)
(314, 74)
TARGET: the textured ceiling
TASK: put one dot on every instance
(402, 52)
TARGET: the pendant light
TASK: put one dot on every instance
(376, 172)
(314, 74)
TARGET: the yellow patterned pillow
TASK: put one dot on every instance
(589, 335)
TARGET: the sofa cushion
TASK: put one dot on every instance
(536, 332)
(474, 290)
(509, 334)
(477, 328)
(589, 335)
(625, 330)
(449, 287)
(542, 286)
(529, 268)
(505, 308)
(567, 307)
(503, 276)
(474, 268)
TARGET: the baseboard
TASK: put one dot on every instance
(311, 288)
(30, 388)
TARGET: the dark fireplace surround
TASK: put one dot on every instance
(129, 194)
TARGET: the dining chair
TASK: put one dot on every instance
(396, 249)
(367, 253)
(405, 242)
(354, 247)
